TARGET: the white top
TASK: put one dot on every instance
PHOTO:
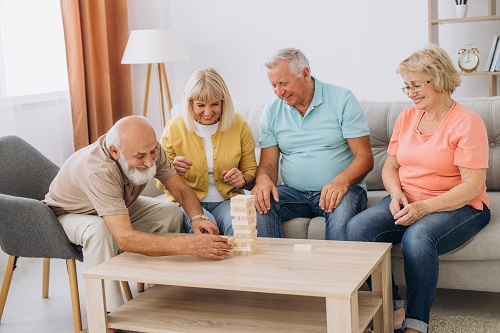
(206, 132)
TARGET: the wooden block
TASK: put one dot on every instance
(243, 209)
(244, 248)
(244, 253)
(302, 247)
(230, 239)
(243, 198)
(249, 213)
(244, 219)
(241, 221)
(244, 226)
(242, 242)
(241, 205)
(245, 234)
(247, 210)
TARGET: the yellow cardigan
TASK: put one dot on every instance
(233, 148)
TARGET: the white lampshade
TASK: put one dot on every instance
(154, 46)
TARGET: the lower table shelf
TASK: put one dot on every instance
(180, 309)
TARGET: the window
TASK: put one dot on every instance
(34, 93)
(33, 56)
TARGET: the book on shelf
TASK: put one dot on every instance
(489, 62)
(496, 58)
(497, 65)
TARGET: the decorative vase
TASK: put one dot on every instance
(461, 11)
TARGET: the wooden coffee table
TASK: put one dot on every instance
(278, 289)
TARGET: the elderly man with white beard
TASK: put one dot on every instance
(96, 198)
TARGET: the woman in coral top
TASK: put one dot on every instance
(211, 147)
(435, 174)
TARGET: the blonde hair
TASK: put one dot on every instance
(206, 85)
(433, 60)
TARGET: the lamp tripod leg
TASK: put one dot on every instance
(162, 102)
(167, 89)
(146, 93)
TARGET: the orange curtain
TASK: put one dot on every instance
(96, 33)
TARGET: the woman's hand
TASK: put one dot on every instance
(412, 213)
(234, 177)
(398, 201)
(182, 165)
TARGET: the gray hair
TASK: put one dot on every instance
(113, 137)
(296, 58)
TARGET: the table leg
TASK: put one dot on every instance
(96, 306)
(342, 314)
(382, 282)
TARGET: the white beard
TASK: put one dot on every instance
(136, 176)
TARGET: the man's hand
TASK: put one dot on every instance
(332, 194)
(262, 191)
(208, 246)
(204, 227)
(182, 165)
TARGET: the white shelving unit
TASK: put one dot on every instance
(435, 23)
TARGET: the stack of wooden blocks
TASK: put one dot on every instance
(244, 224)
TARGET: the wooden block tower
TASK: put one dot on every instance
(244, 224)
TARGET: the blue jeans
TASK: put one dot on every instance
(293, 203)
(219, 212)
(421, 244)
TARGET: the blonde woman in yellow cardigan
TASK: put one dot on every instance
(211, 147)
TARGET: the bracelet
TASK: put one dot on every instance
(199, 216)
(245, 180)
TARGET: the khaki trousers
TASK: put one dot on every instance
(91, 232)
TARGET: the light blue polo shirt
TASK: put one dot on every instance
(314, 149)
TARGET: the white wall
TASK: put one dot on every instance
(347, 46)
(357, 44)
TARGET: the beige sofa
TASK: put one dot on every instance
(474, 266)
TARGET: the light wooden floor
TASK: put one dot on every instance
(26, 311)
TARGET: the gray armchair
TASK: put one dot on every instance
(28, 228)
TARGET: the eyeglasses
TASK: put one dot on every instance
(416, 88)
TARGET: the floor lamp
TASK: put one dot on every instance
(155, 47)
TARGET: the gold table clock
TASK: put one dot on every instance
(468, 59)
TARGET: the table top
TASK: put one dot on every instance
(329, 269)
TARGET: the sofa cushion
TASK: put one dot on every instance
(481, 246)
(381, 119)
(299, 228)
(488, 108)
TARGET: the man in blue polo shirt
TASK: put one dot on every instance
(321, 134)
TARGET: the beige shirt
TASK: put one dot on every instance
(91, 182)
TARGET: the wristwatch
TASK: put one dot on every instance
(199, 216)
